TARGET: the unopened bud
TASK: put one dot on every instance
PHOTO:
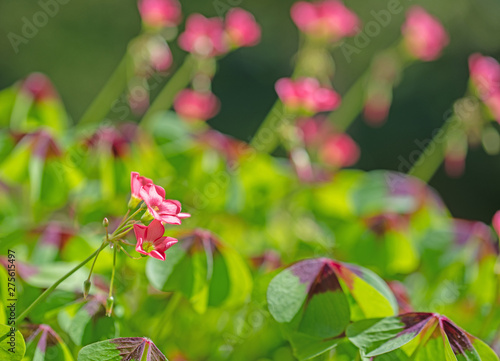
(86, 288)
(105, 222)
(109, 305)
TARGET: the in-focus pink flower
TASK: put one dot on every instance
(242, 28)
(193, 105)
(423, 34)
(496, 222)
(161, 209)
(328, 19)
(137, 182)
(160, 13)
(150, 240)
(203, 37)
(484, 74)
(306, 95)
(339, 151)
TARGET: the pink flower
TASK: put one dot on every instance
(150, 240)
(137, 182)
(376, 108)
(242, 28)
(193, 105)
(306, 95)
(328, 19)
(203, 37)
(424, 35)
(484, 74)
(164, 210)
(160, 13)
(496, 222)
(38, 86)
(339, 151)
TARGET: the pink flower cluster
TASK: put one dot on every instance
(150, 240)
(306, 95)
(424, 36)
(485, 77)
(328, 19)
(209, 37)
(160, 13)
(334, 149)
(193, 105)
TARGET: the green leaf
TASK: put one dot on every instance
(371, 293)
(307, 347)
(43, 343)
(483, 350)
(12, 346)
(378, 336)
(121, 349)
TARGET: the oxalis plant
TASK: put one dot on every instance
(278, 258)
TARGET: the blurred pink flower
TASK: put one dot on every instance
(314, 131)
(454, 164)
(376, 108)
(423, 34)
(339, 151)
(306, 95)
(484, 74)
(193, 105)
(137, 182)
(203, 37)
(164, 210)
(160, 13)
(160, 55)
(242, 28)
(328, 19)
(496, 222)
(38, 86)
(150, 240)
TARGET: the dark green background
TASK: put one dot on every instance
(81, 45)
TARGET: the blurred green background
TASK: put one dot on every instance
(82, 43)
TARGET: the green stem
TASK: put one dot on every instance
(113, 271)
(111, 92)
(431, 158)
(165, 98)
(49, 290)
(351, 106)
(266, 140)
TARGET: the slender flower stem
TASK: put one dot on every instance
(431, 158)
(266, 139)
(165, 98)
(113, 271)
(351, 106)
(120, 235)
(111, 92)
(49, 290)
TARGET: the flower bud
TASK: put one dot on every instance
(86, 288)
(109, 305)
(105, 222)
